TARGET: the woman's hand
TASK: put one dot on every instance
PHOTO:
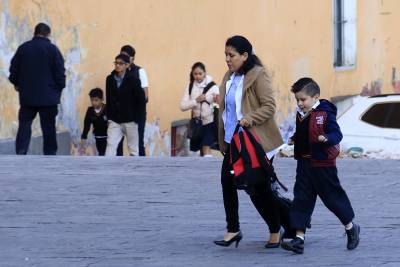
(244, 123)
(201, 98)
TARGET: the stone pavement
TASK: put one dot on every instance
(93, 211)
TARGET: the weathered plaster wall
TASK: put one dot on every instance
(17, 19)
(292, 37)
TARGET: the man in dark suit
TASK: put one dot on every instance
(38, 74)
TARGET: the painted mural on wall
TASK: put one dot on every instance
(373, 88)
(395, 81)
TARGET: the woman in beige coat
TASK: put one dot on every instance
(201, 104)
(246, 96)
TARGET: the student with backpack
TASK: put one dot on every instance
(199, 97)
(246, 96)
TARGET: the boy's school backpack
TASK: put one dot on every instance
(251, 167)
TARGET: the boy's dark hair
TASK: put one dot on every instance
(124, 58)
(308, 85)
(96, 92)
(129, 50)
(42, 29)
(242, 45)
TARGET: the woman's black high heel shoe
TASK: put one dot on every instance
(237, 238)
(276, 245)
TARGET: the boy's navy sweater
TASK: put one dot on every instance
(321, 121)
(98, 120)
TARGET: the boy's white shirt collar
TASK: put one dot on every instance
(302, 114)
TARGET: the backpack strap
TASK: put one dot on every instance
(245, 154)
(205, 90)
(234, 149)
(208, 87)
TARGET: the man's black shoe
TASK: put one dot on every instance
(296, 245)
(353, 237)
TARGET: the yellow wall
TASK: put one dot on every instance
(292, 37)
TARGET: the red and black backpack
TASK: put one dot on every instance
(251, 167)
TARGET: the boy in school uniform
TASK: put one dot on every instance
(125, 106)
(96, 116)
(316, 147)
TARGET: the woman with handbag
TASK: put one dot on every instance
(199, 97)
(246, 96)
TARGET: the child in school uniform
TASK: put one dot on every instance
(316, 147)
(96, 116)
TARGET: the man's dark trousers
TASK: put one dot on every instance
(318, 181)
(141, 127)
(48, 124)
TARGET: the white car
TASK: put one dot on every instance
(373, 124)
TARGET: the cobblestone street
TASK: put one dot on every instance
(97, 211)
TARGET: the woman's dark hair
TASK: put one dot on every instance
(242, 45)
(42, 29)
(195, 66)
(96, 92)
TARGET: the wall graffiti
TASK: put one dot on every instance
(13, 32)
(371, 89)
(395, 81)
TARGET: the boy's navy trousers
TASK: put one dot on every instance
(318, 181)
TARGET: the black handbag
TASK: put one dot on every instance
(195, 131)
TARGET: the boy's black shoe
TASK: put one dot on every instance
(309, 224)
(353, 237)
(296, 245)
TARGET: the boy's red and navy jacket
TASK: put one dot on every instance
(321, 121)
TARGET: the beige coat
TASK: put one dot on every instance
(189, 102)
(257, 106)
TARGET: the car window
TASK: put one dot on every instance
(386, 115)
